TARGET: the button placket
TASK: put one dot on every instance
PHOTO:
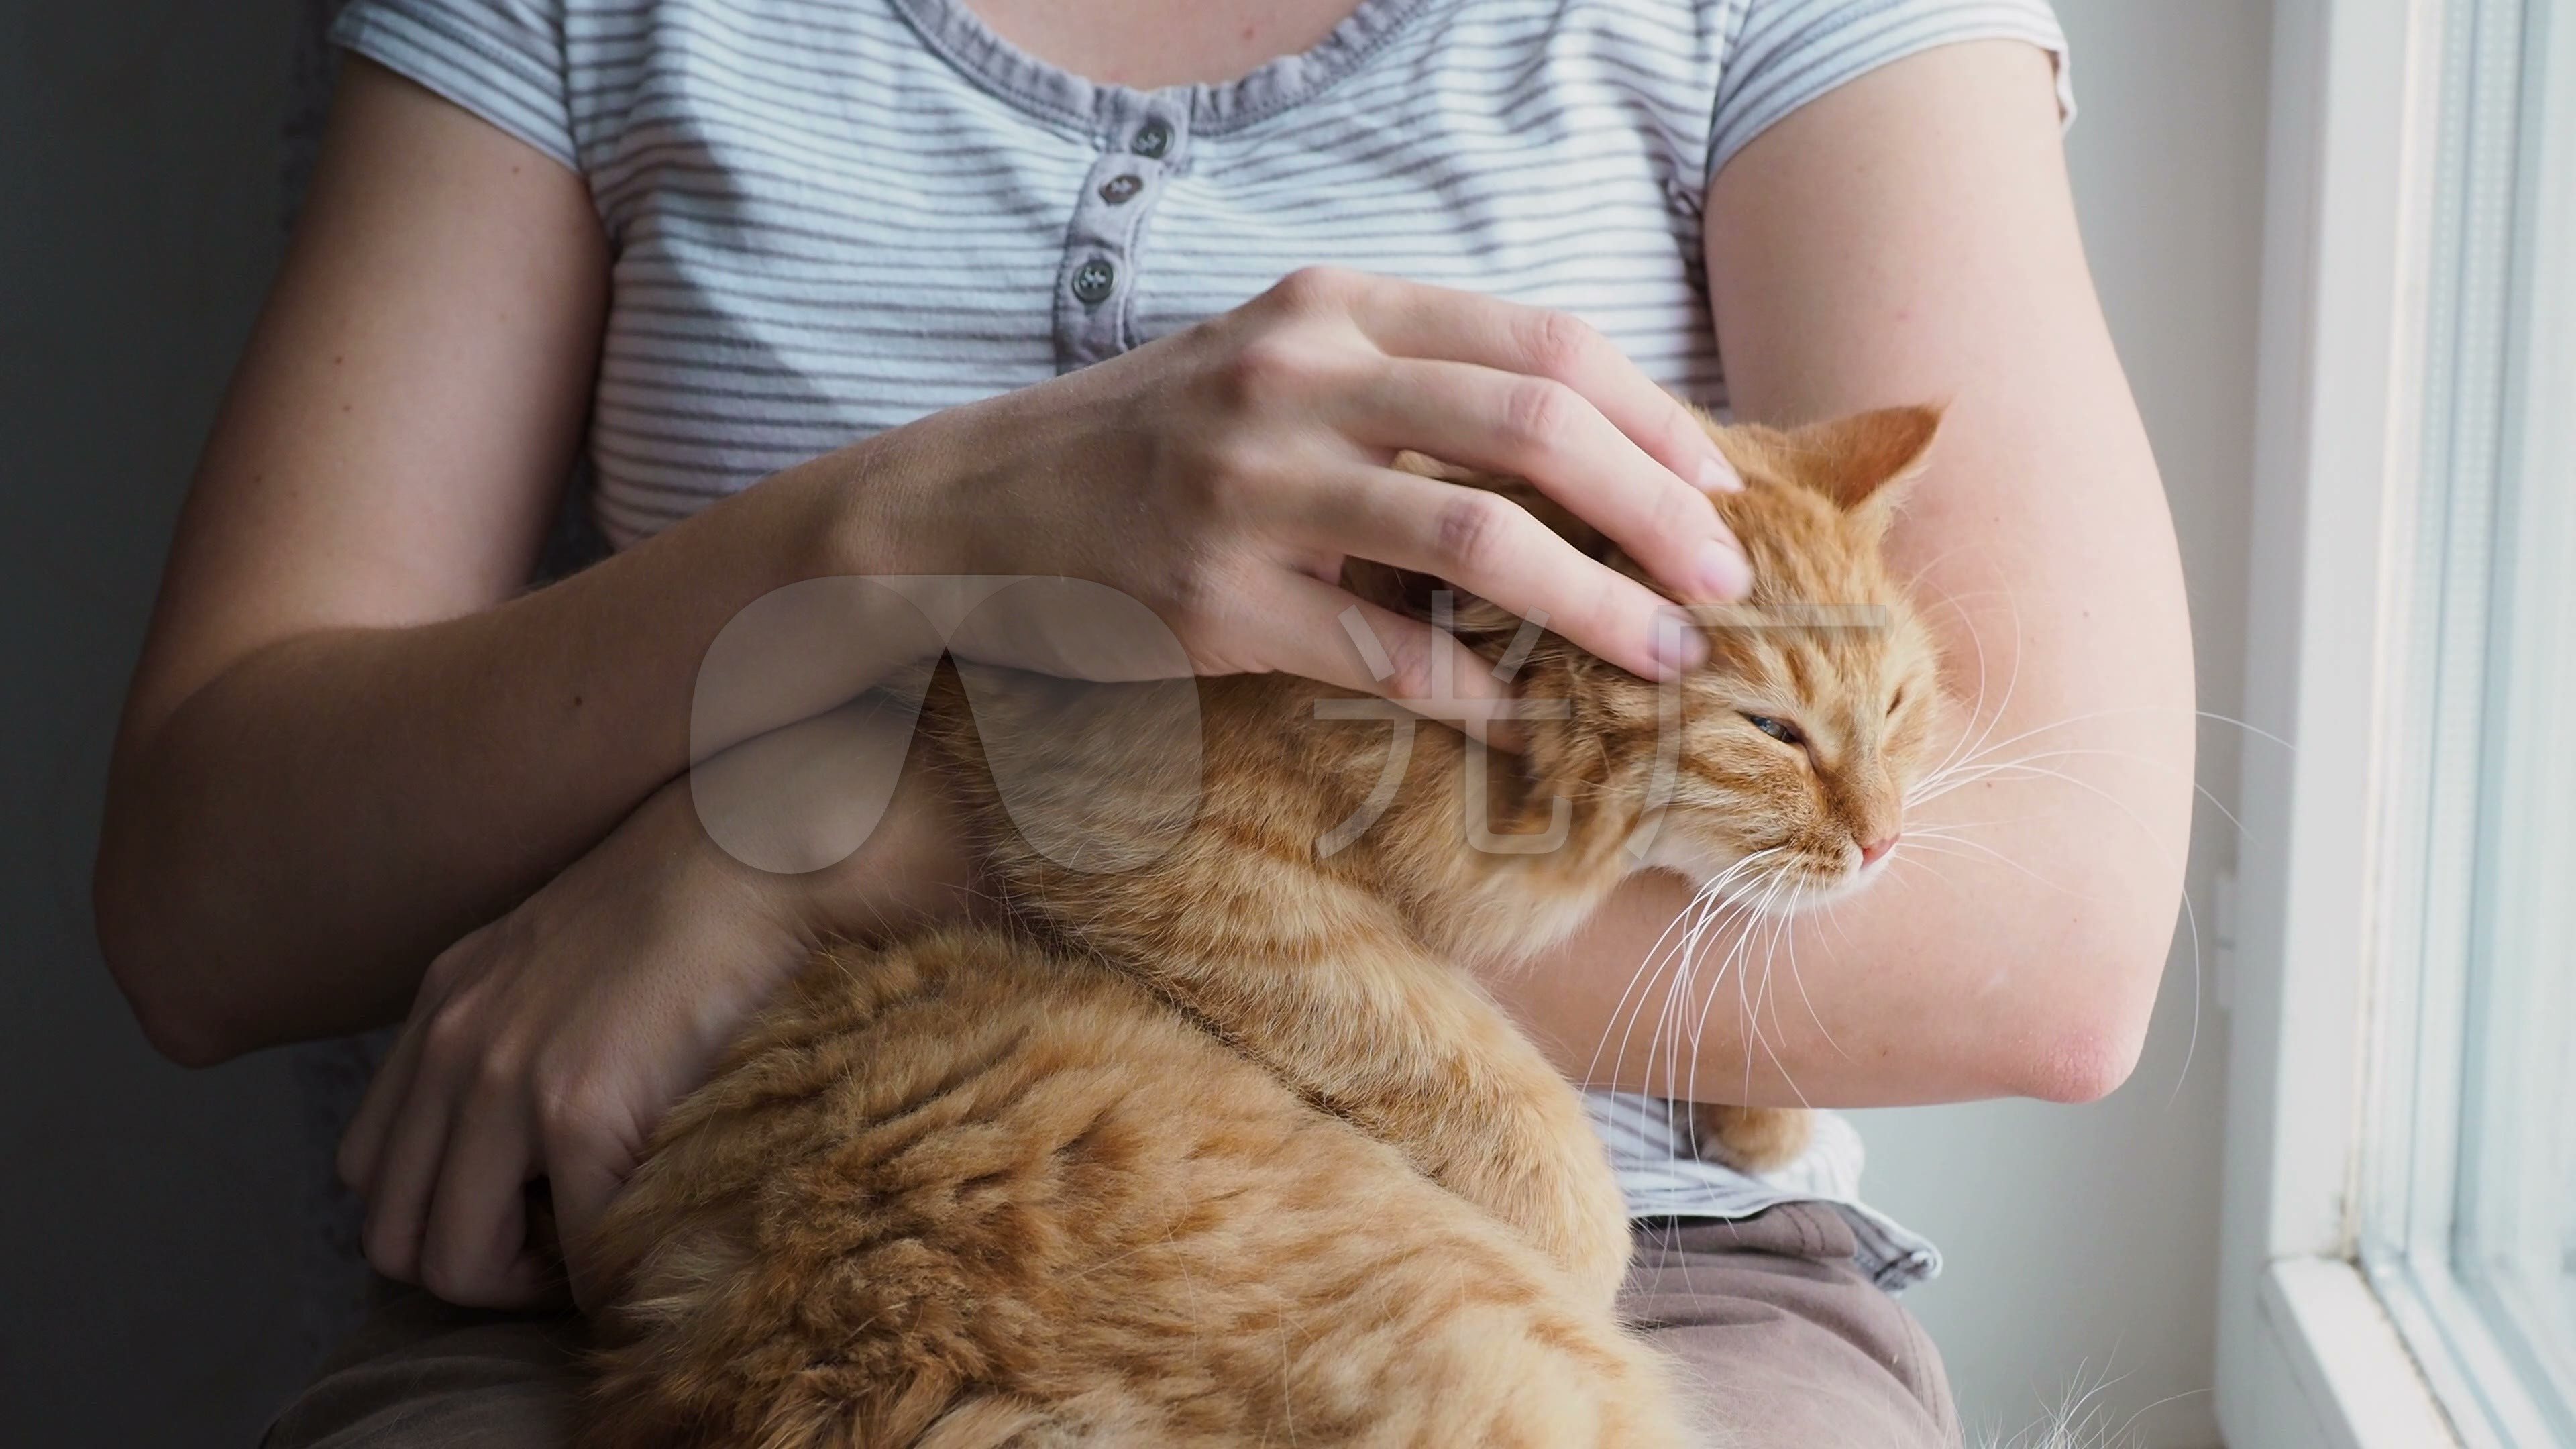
(1142, 142)
(1094, 280)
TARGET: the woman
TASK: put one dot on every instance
(982, 287)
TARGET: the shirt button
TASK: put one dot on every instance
(1153, 139)
(1118, 188)
(1093, 279)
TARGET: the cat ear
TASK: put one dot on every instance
(1861, 460)
(1856, 461)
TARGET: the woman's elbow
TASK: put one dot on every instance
(179, 1037)
(2083, 1062)
(147, 962)
(2086, 1037)
(177, 1028)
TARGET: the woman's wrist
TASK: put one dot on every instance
(915, 869)
(877, 507)
(832, 825)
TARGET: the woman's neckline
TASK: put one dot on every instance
(1050, 92)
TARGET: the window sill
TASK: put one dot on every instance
(2335, 1374)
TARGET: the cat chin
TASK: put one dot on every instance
(1818, 894)
(1705, 867)
(1808, 893)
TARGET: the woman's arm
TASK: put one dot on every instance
(343, 750)
(348, 744)
(1910, 237)
(550, 1042)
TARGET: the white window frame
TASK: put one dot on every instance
(2310, 1356)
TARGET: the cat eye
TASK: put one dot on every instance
(1784, 733)
(1897, 699)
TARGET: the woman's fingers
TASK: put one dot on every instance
(474, 1247)
(1411, 319)
(362, 1146)
(1325, 633)
(1491, 546)
(584, 1172)
(407, 1169)
(1551, 434)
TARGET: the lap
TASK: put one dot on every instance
(1771, 1323)
(1776, 1329)
(421, 1374)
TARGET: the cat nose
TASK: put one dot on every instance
(1872, 850)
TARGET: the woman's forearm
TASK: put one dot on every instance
(1909, 237)
(2012, 949)
(285, 847)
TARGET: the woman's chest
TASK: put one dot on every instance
(1150, 44)
(830, 220)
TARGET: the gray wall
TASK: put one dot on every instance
(2082, 1241)
(151, 1218)
(148, 1219)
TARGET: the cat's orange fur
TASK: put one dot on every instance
(1225, 1147)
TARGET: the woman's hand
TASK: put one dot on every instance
(1221, 476)
(550, 1042)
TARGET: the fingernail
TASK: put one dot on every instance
(1678, 645)
(1716, 475)
(1723, 573)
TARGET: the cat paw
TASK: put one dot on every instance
(1597, 1258)
(1752, 1139)
(1569, 1207)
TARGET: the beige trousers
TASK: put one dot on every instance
(1785, 1340)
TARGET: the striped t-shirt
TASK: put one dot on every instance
(829, 219)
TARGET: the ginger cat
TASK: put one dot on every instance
(1224, 1147)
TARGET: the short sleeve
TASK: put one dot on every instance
(503, 60)
(1785, 53)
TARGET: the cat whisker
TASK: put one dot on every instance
(2202, 790)
(1989, 852)
(1732, 965)
(2211, 715)
(1936, 775)
(2028, 770)
(1800, 981)
(1956, 825)
(2021, 768)
(2003, 706)
(1687, 1031)
(1918, 854)
(1677, 999)
(1783, 930)
(1902, 859)
(1976, 641)
(1741, 957)
(1690, 921)
(2191, 1046)
(1669, 1036)
(1759, 945)
(2017, 768)
(1785, 942)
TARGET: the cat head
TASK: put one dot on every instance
(1778, 768)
